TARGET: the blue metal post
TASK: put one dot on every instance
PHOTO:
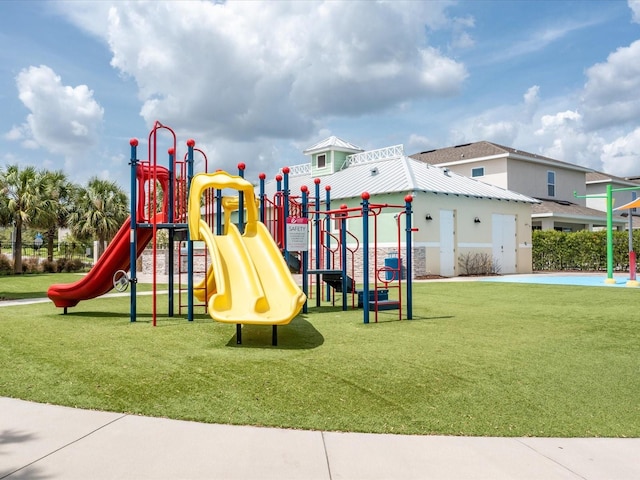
(343, 251)
(305, 253)
(327, 247)
(365, 256)
(219, 228)
(285, 174)
(278, 220)
(316, 221)
(190, 144)
(241, 167)
(407, 208)
(133, 235)
(170, 219)
(262, 176)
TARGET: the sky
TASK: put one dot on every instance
(259, 82)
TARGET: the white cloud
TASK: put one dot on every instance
(502, 124)
(87, 15)
(16, 133)
(634, 5)
(562, 136)
(556, 122)
(621, 155)
(461, 38)
(588, 128)
(63, 119)
(245, 70)
(531, 101)
(418, 143)
(540, 39)
(611, 93)
(502, 132)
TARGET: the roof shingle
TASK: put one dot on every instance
(484, 149)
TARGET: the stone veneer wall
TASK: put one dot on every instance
(145, 262)
(419, 262)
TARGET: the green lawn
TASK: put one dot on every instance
(478, 359)
(15, 287)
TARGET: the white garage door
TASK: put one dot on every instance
(447, 243)
(504, 242)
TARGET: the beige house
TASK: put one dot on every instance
(456, 217)
(550, 181)
(597, 186)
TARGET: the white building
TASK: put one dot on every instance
(456, 217)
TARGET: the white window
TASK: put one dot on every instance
(551, 183)
(477, 172)
(322, 160)
(634, 196)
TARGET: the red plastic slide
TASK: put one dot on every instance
(99, 280)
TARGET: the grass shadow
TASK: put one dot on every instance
(22, 295)
(162, 319)
(300, 334)
(416, 318)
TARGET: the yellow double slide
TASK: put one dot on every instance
(248, 280)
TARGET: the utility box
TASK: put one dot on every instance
(396, 273)
(382, 295)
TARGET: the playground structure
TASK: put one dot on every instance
(328, 252)
(608, 196)
(247, 275)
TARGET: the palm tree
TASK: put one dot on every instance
(23, 190)
(56, 206)
(99, 211)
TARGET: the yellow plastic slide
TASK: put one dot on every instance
(207, 286)
(248, 281)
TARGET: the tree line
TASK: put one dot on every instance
(47, 201)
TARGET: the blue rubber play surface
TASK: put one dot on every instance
(579, 280)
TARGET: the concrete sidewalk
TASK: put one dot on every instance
(40, 441)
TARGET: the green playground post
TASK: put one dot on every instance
(610, 278)
(609, 198)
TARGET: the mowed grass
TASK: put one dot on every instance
(478, 359)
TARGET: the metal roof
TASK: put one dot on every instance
(399, 175)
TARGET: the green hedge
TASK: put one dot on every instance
(583, 250)
(34, 265)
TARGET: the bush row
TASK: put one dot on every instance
(583, 250)
(552, 250)
(34, 265)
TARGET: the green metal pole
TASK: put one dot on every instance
(609, 198)
(609, 278)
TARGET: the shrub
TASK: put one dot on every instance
(478, 264)
(583, 250)
(6, 265)
(61, 264)
(69, 265)
(75, 265)
(49, 266)
(31, 265)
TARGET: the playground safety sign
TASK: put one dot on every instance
(297, 234)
